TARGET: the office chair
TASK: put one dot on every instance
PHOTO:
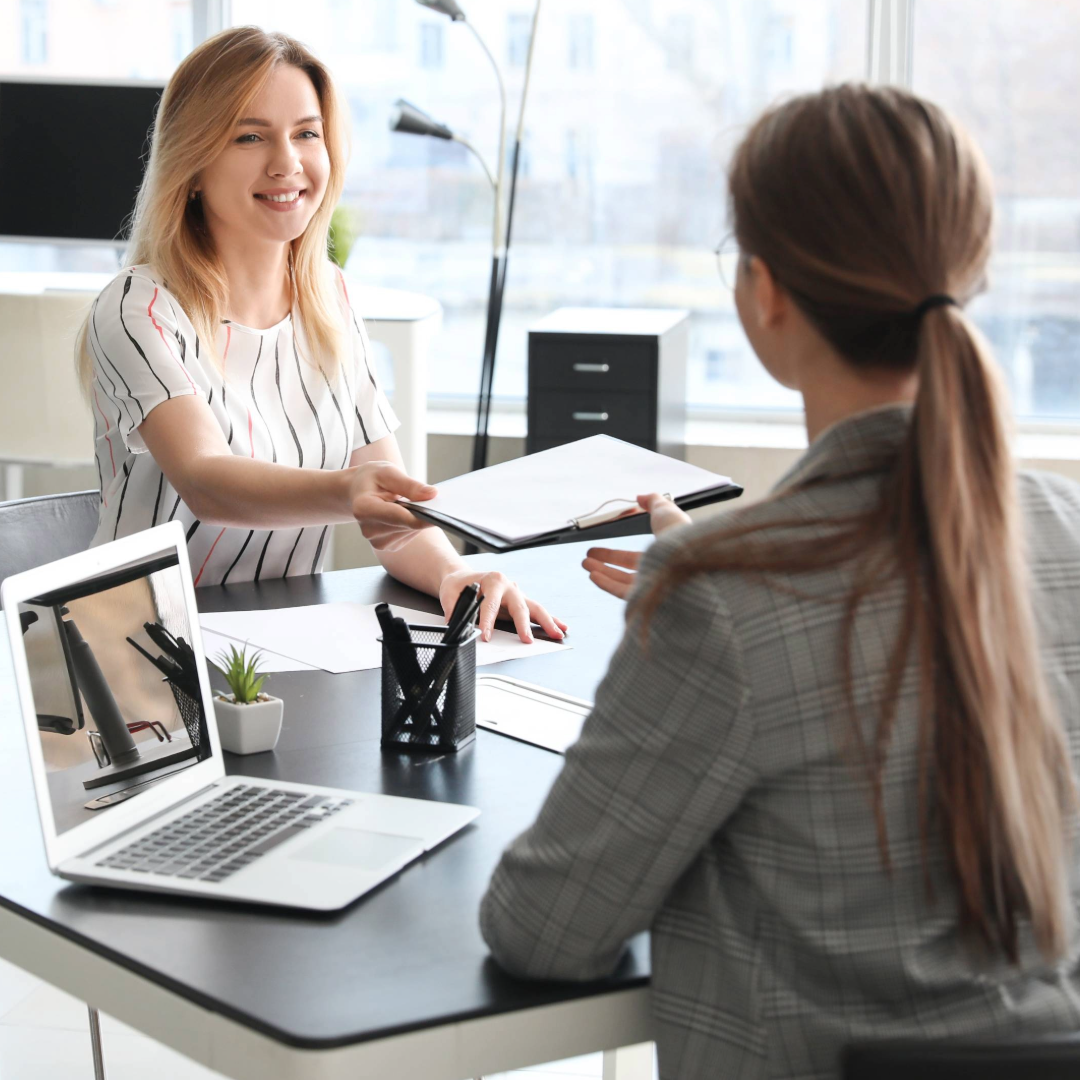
(37, 531)
(1050, 1058)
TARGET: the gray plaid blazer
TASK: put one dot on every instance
(708, 799)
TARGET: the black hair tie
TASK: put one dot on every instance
(937, 300)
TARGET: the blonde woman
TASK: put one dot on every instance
(831, 766)
(230, 378)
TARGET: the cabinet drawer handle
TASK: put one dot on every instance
(601, 369)
(593, 416)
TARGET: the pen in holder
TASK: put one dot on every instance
(428, 691)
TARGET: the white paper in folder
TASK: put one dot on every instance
(540, 493)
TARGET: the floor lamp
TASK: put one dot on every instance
(411, 120)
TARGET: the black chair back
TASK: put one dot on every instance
(39, 530)
(1036, 1059)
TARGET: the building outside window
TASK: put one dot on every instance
(1009, 72)
(518, 27)
(181, 32)
(431, 45)
(35, 31)
(580, 41)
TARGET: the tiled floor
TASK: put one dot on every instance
(44, 1036)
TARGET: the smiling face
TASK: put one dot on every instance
(267, 184)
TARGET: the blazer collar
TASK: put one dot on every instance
(865, 442)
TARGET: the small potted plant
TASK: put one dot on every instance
(248, 720)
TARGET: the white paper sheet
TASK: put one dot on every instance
(344, 636)
(214, 644)
(542, 492)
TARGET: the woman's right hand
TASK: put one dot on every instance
(376, 487)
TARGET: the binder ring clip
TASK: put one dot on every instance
(600, 517)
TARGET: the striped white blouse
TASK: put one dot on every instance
(270, 402)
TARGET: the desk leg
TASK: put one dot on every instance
(630, 1063)
(95, 1043)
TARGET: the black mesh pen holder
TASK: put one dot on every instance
(428, 691)
(191, 712)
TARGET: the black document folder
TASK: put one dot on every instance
(584, 490)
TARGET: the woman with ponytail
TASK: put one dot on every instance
(832, 764)
(230, 378)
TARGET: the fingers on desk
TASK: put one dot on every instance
(612, 557)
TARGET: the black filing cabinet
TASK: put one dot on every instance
(609, 371)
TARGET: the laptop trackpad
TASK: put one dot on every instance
(365, 850)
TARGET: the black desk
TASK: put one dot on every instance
(399, 983)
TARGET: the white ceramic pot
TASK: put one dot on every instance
(249, 729)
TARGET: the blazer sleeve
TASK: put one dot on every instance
(140, 354)
(663, 760)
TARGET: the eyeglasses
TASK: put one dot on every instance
(727, 260)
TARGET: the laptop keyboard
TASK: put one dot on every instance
(224, 835)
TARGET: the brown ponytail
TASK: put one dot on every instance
(863, 202)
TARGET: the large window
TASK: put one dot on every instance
(1009, 70)
(121, 39)
(633, 110)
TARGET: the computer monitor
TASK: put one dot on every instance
(72, 156)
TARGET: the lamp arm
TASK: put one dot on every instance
(497, 241)
(518, 137)
(528, 72)
(476, 153)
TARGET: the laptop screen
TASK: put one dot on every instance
(115, 686)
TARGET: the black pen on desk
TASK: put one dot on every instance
(468, 622)
(465, 601)
(392, 636)
(396, 634)
(165, 664)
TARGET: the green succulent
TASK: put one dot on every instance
(240, 673)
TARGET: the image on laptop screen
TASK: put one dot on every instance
(115, 686)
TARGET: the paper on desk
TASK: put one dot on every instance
(344, 636)
(215, 644)
(541, 493)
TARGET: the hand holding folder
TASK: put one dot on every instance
(571, 492)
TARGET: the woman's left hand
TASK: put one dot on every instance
(500, 595)
(614, 570)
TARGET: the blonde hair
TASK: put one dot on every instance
(893, 205)
(209, 92)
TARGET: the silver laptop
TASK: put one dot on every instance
(127, 764)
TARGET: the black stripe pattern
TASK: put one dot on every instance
(138, 364)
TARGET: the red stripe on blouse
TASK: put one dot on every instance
(198, 576)
(251, 437)
(165, 340)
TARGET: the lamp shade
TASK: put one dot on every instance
(410, 120)
(444, 7)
